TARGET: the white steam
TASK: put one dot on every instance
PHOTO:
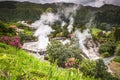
(70, 26)
(68, 11)
(43, 27)
(85, 39)
(86, 43)
(63, 24)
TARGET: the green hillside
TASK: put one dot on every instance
(16, 11)
(62, 62)
(19, 65)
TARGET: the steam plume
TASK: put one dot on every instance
(43, 27)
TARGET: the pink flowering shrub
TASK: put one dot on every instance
(13, 41)
(70, 63)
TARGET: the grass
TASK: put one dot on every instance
(16, 64)
(95, 31)
(117, 59)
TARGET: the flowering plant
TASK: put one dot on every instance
(13, 41)
(71, 62)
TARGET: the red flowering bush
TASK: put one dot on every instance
(71, 62)
(13, 41)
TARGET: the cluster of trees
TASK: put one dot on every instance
(60, 54)
(104, 17)
(110, 15)
(67, 57)
(16, 11)
(107, 49)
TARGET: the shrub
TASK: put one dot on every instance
(117, 51)
(107, 47)
(87, 67)
(59, 53)
(6, 30)
(96, 69)
(105, 54)
(13, 41)
(26, 37)
(100, 69)
(117, 59)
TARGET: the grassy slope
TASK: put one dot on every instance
(95, 31)
(17, 64)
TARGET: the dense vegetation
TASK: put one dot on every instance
(63, 55)
(19, 65)
(104, 17)
(66, 61)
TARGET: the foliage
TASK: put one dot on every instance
(82, 17)
(96, 69)
(105, 54)
(117, 59)
(60, 54)
(65, 31)
(59, 35)
(19, 65)
(108, 47)
(87, 67)
(104, 26)
(95, 31)
(100, 69)
(59, 30)
(101, 36)
(17, 11)
(117, 51)
(26, 33)
(6, 30)
(116, 34)
(49, 10)
(24, 37)
(13, 41)
(108, 14)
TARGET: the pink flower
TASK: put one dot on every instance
(5, 38)
(12, 43)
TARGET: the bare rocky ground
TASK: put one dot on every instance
(115, 67)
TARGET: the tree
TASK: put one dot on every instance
(116, 33)
(59, 53)
(100, 69)
(88, 67)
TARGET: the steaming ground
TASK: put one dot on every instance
(85, 38)
(43, 26)
(43, 29)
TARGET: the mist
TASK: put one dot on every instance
(94, 3)
(43, 29)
